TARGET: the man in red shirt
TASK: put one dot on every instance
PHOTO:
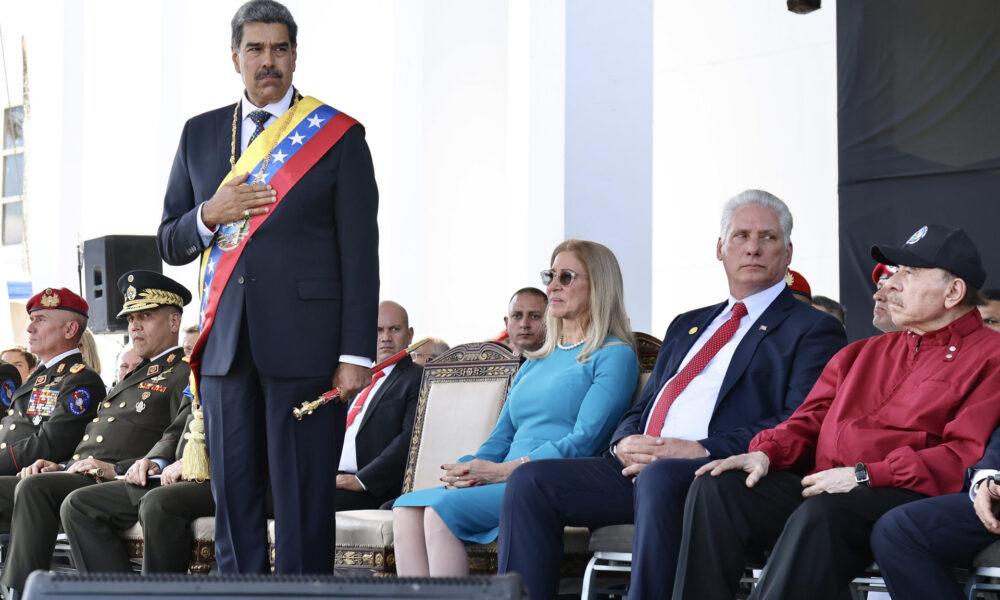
(892, 419)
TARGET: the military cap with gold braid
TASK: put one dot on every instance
(148, 290)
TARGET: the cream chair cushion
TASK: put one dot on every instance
(459, 417)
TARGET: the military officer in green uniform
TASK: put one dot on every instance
(141, 418)
(47, 413)
(166, 507)
(10, 380)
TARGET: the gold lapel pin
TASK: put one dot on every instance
(692, 331)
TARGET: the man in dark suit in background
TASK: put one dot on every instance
(723, 373)
(291, 256)
(380, 420)
(916, 545)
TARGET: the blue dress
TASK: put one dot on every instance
(556, 408)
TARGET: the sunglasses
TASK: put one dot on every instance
(565, 277)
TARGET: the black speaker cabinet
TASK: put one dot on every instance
(121, 586)
(105, 259)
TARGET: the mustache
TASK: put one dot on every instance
(267, 72)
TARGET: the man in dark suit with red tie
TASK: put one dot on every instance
(277, 195)
(723, 373)
(380, 420)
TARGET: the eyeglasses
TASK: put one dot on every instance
(565, 277)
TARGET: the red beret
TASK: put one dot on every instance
(798, 284)
(882, 271)
(61, 299)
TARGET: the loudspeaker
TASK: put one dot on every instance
(121, 586)
(105, 259)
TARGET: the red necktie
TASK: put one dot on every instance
(360, 402)
(673, 389)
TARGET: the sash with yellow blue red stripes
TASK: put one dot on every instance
(312, 130)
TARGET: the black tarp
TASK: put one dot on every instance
(919, 131)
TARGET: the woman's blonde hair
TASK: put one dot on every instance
(607, 301)
(88, 348)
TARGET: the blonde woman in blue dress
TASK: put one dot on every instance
(564, 402)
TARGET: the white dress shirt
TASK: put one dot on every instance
(349, 454)
(56, 359)
(691, 411)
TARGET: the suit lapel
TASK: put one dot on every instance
(680, 350)
(767, 323)
(390, 380)
(690, 337)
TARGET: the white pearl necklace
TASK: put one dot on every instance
(571, 346)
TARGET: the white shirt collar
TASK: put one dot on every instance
(55, 360)
(171, 349)
(275, 108)
(758, 303)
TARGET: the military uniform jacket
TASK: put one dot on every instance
(48, 414)
(143, 415)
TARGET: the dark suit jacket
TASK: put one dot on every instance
(307, 281)
(383, 439)
(990, 459)
(772, 370)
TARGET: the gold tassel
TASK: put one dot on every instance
(194, 460)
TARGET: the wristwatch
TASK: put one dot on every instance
(861, 474)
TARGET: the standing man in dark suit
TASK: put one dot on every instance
(288, 253)
(380, 420)
(917, 545)
(740, 366)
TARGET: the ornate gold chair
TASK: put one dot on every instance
(202, 546)
(461, 394)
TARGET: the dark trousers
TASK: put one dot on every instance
(35, 521)
(252, 434)
(818, 545)
(94, 516)
(351, 500)
(916, 545)
(544, 496)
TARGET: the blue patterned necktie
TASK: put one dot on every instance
(259, 117)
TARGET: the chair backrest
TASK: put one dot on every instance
(646, 347)
(461, 394)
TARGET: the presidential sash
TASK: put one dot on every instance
(310, 131)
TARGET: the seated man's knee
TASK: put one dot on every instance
(29, 487)
(665, 477)
(720, 485)
(150, 505)
(887, 533)
(531, 481)
(71, 508)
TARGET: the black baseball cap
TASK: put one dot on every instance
(937, 246)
